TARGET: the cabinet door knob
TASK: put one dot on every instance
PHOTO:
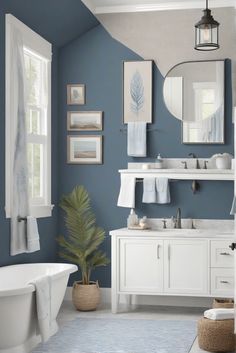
(225, 253)
(232, 246)
(158, 252)
(224, 282)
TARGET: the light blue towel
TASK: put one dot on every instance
(137, 139)
(163, 191)
(149, 190)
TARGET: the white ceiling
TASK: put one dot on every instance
(118, 6)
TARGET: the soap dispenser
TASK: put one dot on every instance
(159, 162)
(132, 219)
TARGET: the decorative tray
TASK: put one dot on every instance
(139, 228)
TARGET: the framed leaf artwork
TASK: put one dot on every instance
(137, 91)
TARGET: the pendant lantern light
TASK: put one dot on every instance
(207, 32)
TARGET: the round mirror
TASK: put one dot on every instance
(194, 93)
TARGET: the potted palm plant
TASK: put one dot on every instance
(81, 246)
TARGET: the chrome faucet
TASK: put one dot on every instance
(177, 219)
(197, 161)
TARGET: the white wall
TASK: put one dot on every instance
(168, 36)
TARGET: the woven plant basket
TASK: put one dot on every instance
(86, 297)
(216, 335)
(223, 303)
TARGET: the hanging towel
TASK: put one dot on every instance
(233, 82)
(233, 208)
(43, 306)
(149, 190)
(127, 191)
(137, 136)
(219, 314)
(163, 191)
(32, 235)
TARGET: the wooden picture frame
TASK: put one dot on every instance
(84, 149)
(137, 91)
(76, 94)
(84, 121)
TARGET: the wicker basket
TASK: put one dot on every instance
(216, 335)
(223, 303)
(86, 297)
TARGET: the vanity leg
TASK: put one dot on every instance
(130, 300)
(114, 303)
(114, 276)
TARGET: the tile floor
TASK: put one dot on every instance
(68, 313)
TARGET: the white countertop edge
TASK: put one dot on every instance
(193, 234)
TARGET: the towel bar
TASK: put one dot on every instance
(148, 130)
(21, 219)
(171, 180)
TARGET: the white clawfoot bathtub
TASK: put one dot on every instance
(19, 331)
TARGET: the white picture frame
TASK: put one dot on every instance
(84, 149)
(137, 91)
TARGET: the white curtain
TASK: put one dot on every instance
(19, 187)
(233, 82)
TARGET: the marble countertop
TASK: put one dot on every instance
(204, 229)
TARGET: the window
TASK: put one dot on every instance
(37, 60)
(204, 99)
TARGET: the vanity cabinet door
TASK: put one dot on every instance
(141, 266)
(186, 266)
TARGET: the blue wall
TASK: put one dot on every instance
(95, 59)
(47, 226)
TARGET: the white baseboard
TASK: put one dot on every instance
(197, 302)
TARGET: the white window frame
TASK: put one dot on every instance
(38, 45)
(198, 86)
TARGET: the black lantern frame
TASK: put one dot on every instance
(207, 32)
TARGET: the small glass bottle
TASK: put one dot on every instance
(132, 219)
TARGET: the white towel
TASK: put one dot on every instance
(43, 306)
(137, 136)
(127, 191)
(32, 235)
(233, 208)
(219, 314)
(233, 81)
(163, 191)
(149, 190)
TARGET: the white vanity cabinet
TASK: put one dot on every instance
(185, 266)
(140, 265)
(222, 268)
(150, 263)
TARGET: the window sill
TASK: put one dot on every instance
(37, 211)
(41, 211)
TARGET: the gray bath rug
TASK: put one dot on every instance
(122, 336)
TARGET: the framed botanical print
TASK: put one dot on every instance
(76, 94)
(137, 91)
(84, 149)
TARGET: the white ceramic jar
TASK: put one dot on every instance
(223, 161)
